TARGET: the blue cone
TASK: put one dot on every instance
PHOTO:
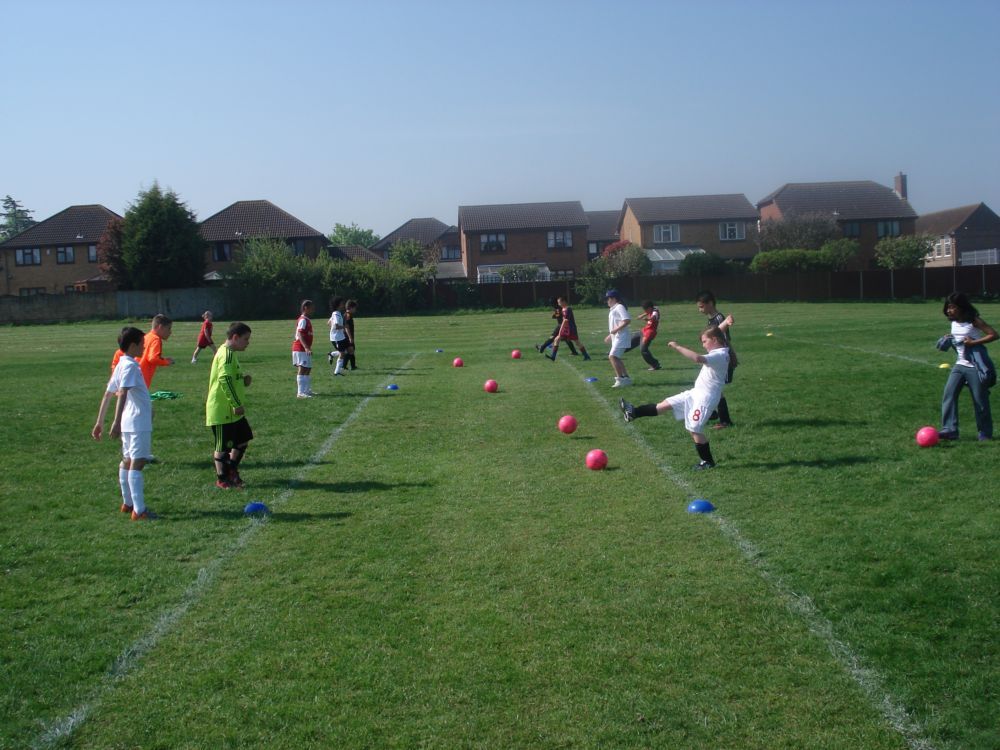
(253, 508)
(700, 506)
(392, 387)
(439, 351)
(590, 380)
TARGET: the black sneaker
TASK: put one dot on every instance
(702, 465)
(627, 409)
(329, 358)
(549, 356)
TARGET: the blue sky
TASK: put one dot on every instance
(377, 112)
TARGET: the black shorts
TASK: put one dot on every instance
(340, 346)
(232, 435)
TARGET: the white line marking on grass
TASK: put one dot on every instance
(868, 679)
(871, 352)
(129, 659)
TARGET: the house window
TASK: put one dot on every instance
(888, 229)
(852, 229)
(493, 243)
(732, 230)
(65, 255)
(28, 257)
(562, 238)
(946, 247)
(666, 233)
(91, 253)
(222, 252)
(298, 247)
(69, 289)
(451, 252)
(592, 250)
(31, 291)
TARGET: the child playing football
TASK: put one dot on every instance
(696, 404)
(225, 412)
(204, 336)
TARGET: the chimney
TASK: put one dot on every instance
(901, 185)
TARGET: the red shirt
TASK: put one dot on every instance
(652, 323)
(306, 334)
(205, 335)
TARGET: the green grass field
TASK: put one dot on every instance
(441, 570)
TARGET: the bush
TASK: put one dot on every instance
(786, 261)
(595, 280)
(703, 264)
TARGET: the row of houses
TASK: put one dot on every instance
(558, 239)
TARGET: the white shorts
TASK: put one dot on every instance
(302, 359)
(137, 445)
(694, 407)
(619, 345)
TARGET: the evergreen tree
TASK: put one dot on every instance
(15, 219)
(161, 245)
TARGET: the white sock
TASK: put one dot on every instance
(300, 381)
(308, 383)
(123, 483)
(340, 364)
(137, 485)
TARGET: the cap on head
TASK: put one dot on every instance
(612, 294)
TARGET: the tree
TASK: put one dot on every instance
(109, 254)
(16, 219)
(902, 252)
(162, 246)
(352, 235)
(627, 260)
(807, 232)
(837, 254)
(408, 253)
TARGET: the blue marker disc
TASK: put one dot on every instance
(700, 506)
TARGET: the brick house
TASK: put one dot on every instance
(603, 231)
(227, 230)
(432, 234)
(55, 255)
(964, 236)
(549, 236)
(864, 210)
(669, 229)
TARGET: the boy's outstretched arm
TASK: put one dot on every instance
(683, 350)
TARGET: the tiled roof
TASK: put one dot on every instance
(945, 222)
(502, 217)
(246, 219)
(355, 252)
(603, 226)
(424, 231)
(691, 208)
(82, 225)
(862, 199)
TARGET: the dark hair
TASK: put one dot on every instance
(554, 302)
(714, 332)
(237, 329)
(129, 336)
(305, 303)
(162, 320)
(336, 302)
(648, 305)
(966, 312)
(705, 296)
(351, 303)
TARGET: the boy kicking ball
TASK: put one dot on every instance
(694, 406)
